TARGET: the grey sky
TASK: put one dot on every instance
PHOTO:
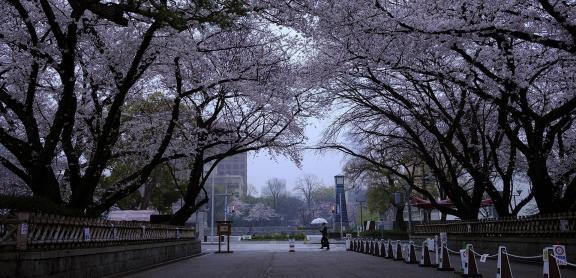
(262, 167)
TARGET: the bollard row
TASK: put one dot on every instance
(406, 251)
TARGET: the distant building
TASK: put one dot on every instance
(232, 172)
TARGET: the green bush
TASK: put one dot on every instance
(279, 236)
(398, 235)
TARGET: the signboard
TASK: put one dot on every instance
(224, 227)
(87, 235)
(24, 229)
(483, 258)
(560, 254)
(564, 225)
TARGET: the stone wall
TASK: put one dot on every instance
(93, 262)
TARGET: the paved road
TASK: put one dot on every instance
(273, 260)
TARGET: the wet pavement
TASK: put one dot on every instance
(272, 259)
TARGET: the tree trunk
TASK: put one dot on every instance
(545, 192)
(399, 223)
(45, 184)
(195, 185)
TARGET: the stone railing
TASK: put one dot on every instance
(28, 231)
(549, 226)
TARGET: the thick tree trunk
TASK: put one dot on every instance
(546, 194)
(45, 184)
(399, 219)
(195, 185)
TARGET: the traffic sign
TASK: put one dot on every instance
(560, 253)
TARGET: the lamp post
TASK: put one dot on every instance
(212, 208)
(341, 232)
(361, 218)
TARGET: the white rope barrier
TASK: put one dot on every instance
(523, 257)
(452, 251)
(564, 261)
(480, 255)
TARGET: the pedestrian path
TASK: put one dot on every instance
(256, 260)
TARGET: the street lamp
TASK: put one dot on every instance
(361, 217)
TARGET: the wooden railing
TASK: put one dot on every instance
(555, 225)
(39, 231)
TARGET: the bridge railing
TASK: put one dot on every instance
(552, 225)
(28, 231)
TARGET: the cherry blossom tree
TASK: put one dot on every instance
(76, 79)
(259, 213)
(510, 65)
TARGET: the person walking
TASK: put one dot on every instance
(324, 241)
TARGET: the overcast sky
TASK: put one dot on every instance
(262, 167)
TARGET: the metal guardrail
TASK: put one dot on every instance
(548, 225)
(27, 231)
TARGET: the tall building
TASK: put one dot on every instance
(231, 172)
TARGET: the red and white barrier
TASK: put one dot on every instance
(470, 266)
(445, 264)
(425, 257)
(503, 266)
(551, 268)
(398, 255)
(389, 251)
(411, 256)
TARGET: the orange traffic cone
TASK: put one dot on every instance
(425, 258)
(389, 253)
(445, 259)
(376, 248)
(551, 268)
(436, 252)
(382, 248)
(503, 266)
(411, 258)
(470, 267)
(398, 256)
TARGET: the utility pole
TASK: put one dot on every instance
(226, 204)
(341, 232)
(361, 218)
(212, 211)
